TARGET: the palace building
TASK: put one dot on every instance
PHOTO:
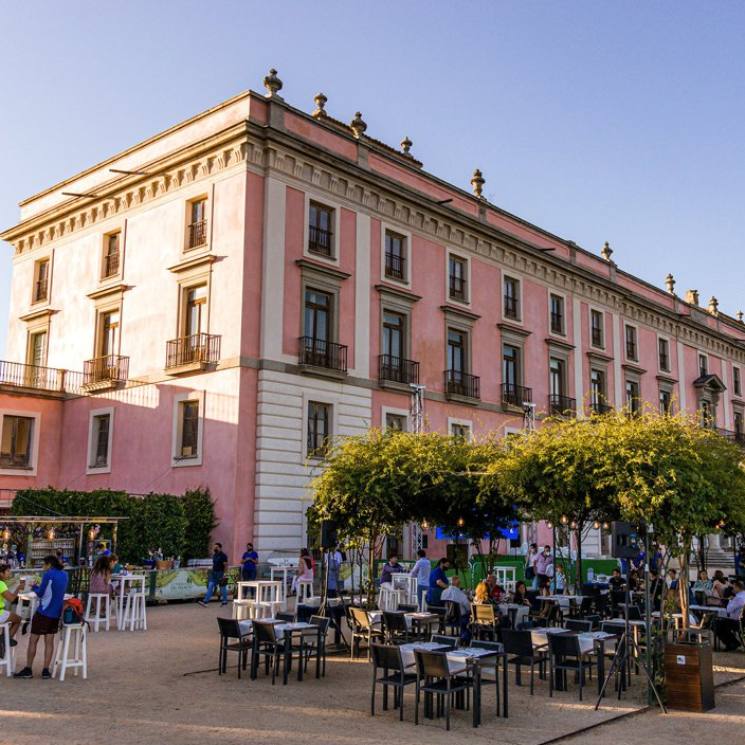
(209, 306)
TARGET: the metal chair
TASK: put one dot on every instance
(439, 680)
(565, 654)
(446, 641)
(272, 648)
(311, 642)
(231, 630)
(362, 630)
(484, 621)
(579, 625)
(395, 630)
(519, 644)
(498, 648)
(388, 658)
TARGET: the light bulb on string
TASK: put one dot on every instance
(606, 526)
(596, 525)
(50, 534)
(461, 522)
(6, 534)
(564, 519)
(573, 526)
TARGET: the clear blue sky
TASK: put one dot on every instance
(596, 120)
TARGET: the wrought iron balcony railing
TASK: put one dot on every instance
(198, 234)
(188, 350)
(322, 353)
(462, 384)
(319, 240)
(395, 266)
(397, 369)
(559, 405)
(516, 395)
(112, 368)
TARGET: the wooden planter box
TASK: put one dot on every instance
(689, 677)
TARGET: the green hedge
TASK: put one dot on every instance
(179, 525)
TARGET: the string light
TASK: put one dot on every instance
(564, 519)
(596, 524)
(461, 522)
(425, 525)
(606, 526)
(50, 534)
(550, 525)
(6, 534)
(573, 526)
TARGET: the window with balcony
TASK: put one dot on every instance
(703, 365)
(666, 401)
(320, 230)
(194, 348)
(395, 256)
(111, 255)
(41, 281)
(16, 442)
(597, 330)
(663, 346)
(393, 365)
(317, 346)
(100, 441)
(736, 381)
(598, 391)
(319, 429)
(632, 351)
(458, 381)
(37, 349)
(633, 397)
(559, 403)
(108, 366)
(511, 298)
(395, 422)
(557, 314)
(196, 229)
(457, 278)
(513, 392)
(739, 427)
(188, 435)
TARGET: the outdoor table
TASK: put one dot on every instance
(716, 609)
(412, 620)
(284, 570)
(265, 593)
(297, 628)
(123, 580)
(518, 613)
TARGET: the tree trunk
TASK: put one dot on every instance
(371, 572)
(578, 580)
(683, 582)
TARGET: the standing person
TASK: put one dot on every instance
(438, 581)
(333, 559)
(530, 559)
(421, 571)
(304, 569)
(727, 628)
(217, 576)
(250, 561)
(560, 580)
(390, 568)
(6, 599)
(543, 561)
(45, 622)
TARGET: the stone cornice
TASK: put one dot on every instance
(317, 266)
(119, 288)
(552, 341)
(37, 313)
(190, 262)
(398, 292)
(511, 328)
(454, 310)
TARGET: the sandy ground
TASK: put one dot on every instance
(148, 688)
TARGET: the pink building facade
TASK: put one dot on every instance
(207, 307)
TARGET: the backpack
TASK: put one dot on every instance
(72, 611)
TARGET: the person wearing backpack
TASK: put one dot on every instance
(46, 620)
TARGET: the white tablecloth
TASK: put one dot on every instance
(376, 617)
(586, 641)
(521, 611)
(722, 612)
(456, 657)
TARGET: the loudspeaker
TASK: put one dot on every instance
(457, 554)
(328, 534)
(626, 542)
(514, 543)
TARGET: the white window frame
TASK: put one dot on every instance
(469, 289)
(520, 297)
(634, 326)
(385, 410)
(177, 461)
(406, 281)
(319, 397)
(335, 257)
(462, 423)
(92, 414)
(590, 309)
(32, 470)
(669, 353)
(561, 334)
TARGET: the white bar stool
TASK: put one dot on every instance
(242, 609)
(72, 651)
(8, 659)
(304, 590)
(135, 615)
(96, 620)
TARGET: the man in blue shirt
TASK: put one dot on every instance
(217, 576)
(438, 581)
(45, 622)
(250, 561)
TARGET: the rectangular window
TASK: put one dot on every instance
(189, 429)
(108, 340)
(557, 314)
(633, 400)
(510, 367)
(703, 365)
(319, 432)
(597, 390)
(739, 426)
(16, 442)
(511, 298)
(101, 427)
(395, 256)
(395, 422)
(707, 414)
(393, 338)
(596, 329)
(460, 431)
(666, 401)
(111, 251)
(457, 362)
(664, 354)
(197, 227)
(320, 234)
(631, 350)
(556, 378)
(37, 349)
(736, 381)
(195, 312)
(457, 270)
(41, 281)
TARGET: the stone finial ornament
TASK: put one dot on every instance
(358, 125)
(692, 297)
(740, 316)
(272, 84)
(320, 101)
(670, 284)
(406, 144)
(477, 183)
(713, 306)
(606, 251)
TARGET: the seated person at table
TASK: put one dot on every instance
(634, 581)
(560, 580)
(672, 579)
(6, 599)
(703, 583)
(727, 628)
(116, 566)
(616, 582)
(100, 579)
(520, 596)
(438, 581)
(496, 592)
(482, 595)
(719, 587)
(303, 571)
(456, 595)
(390, 568)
